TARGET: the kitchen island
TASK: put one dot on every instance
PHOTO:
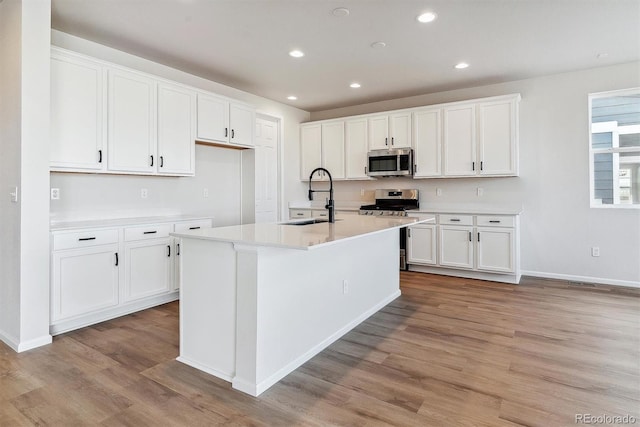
(259, 300)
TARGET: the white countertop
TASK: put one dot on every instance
(120, 222)
(302, 237)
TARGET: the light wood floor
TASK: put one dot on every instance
(448, 352)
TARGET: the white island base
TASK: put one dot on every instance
(251, 314)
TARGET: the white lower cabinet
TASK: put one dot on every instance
(100, 273)
(476, 246)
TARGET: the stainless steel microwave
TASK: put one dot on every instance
(394, 162)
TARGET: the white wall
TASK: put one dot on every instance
(24, 128)
(558, 226)
(218, 169)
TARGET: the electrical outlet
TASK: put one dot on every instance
(205, 193)
(438, 191)
(362, 192)
(14, 195)
(144, 193)
(480, 191)
(55, 193)
(345, 287)
(595, 251)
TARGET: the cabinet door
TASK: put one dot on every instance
(496, 249)
(421, 244)
(176, 145)
(497, 138)
(132, 122)
(147, 268)
(213, 118)
(333, 148)
(456, 246)
(400, 130)
(83, 280)
(77, 114)
(427, 139)
(379, 132)
(310, 149)
(356, 148)
(460, 141)
(242, 123)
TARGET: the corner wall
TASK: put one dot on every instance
(558, 226)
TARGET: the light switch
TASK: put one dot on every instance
(14, 195)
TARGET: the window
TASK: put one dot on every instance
(614, 148)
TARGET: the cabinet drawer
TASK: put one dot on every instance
(84, 238)
(495, 221)
(450, 219)
(145, 232)
(319, 213)
(299, 213)
(192, 225)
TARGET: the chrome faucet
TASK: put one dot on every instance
(329, 205)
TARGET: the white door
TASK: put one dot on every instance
(333, 148)
(176, 145)
(132, 122)
(356, 148)
(400, 130)
(460, 141)
(310, 150)
(242, 123)
(266, 170)
(147, 268)
(379, 132)
(84, 280)
(77, 114)
(496, 249)
(427, 134)
(497, 138)
(421, 244)
(213, 118)
(456, 246)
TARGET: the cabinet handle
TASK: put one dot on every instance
(386, 141)
(161, 161)
(177, 249)
(473, 166)
(300, 214)
(494, 221)
(149, 232)
(454, 220)
(408, 232)
(84, 239)
(365, 170)
(481, 164)
(99, 156)
(226, 132)
(469, 236)
(233, 133)
(151, 161)
(116, 259)
(168, 250)
(194, 228)
(478, 236)
(392, 140)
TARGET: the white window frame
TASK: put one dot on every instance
(616, 131)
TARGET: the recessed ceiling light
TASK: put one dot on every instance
(354, 85)
(378, 45)
(340, 11)
(461, 65)
(427, 17)
(292, 98)
(296, 53)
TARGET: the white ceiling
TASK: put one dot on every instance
(245, 43)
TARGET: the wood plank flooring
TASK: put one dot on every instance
(448, 352)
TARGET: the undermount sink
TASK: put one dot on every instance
(308, 221)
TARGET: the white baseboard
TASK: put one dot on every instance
(204, 368)
(19, 347)
(584, 279)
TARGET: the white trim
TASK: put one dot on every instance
(512, 278)
(19, 347)
(10, 340)
(584, 279)
(204, 368)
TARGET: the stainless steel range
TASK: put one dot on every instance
(393, 202)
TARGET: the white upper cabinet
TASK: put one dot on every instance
(497, 137)
(132, 122)
(460, 140)
(390, 131)
(427, 140)
(77, 114)
(356, 148)
(226, 122)
(176, 124)
(333, 149)
(310, 149)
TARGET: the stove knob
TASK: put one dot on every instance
(381, 213)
